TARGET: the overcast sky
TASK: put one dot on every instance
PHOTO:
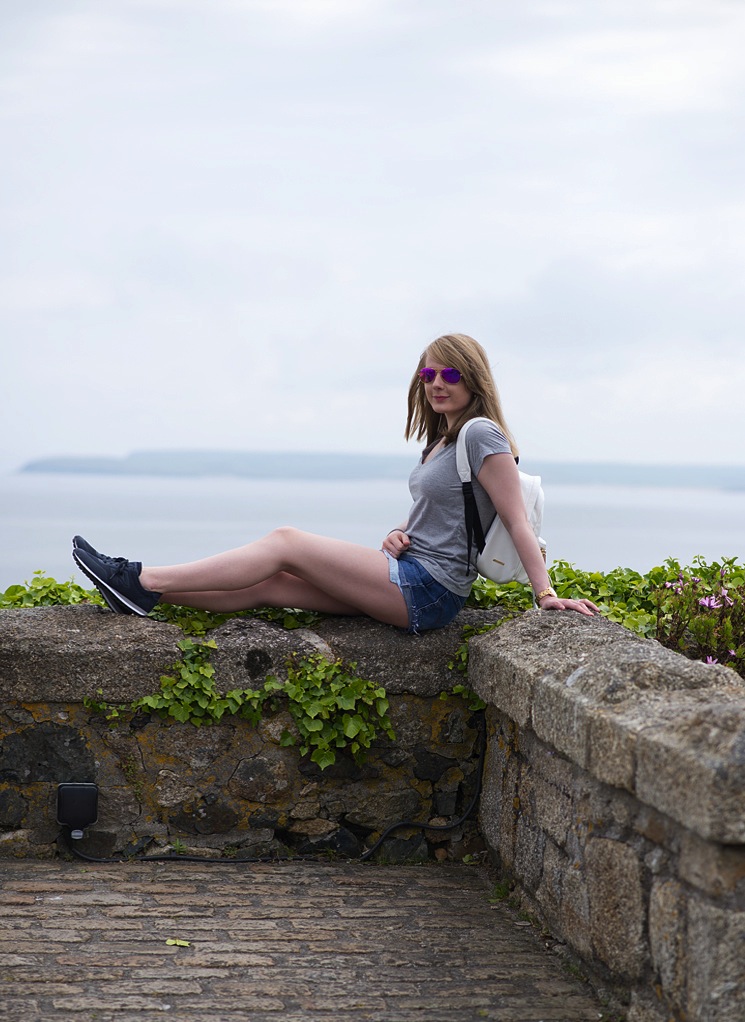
(236, 223)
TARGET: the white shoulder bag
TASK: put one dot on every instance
(497, 557)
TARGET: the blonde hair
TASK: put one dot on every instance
(463, 353)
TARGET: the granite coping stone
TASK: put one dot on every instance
(63, 654)
(633, 714)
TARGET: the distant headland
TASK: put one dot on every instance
(363, 466)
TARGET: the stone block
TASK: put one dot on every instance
(561, 717)
(13, 809)
(379, 809)
(410, 725)
(667, 940)
(546, 762)
(617, 906)
(173, 789)
(612, 746)
(416, 664)
(693, 766)
(645, 1006)
(506, 664)
(46, 752)
(61, 654)
(712, 868)
(249, 650)
(575, 911)
(595, 714)
(552, 807)
(208, 814)
(655, 827)
(24, 844)
(530, 843)
(263, 778)
(497, 804)
(716, 969)
(549, 894)
(118, 808)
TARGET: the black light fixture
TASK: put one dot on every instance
(77, 807)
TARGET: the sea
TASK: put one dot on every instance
(161, 520)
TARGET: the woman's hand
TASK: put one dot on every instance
(396, 543)
(582, 606)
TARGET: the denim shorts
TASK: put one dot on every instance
(430, 604)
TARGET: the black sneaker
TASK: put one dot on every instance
(117, 579)
(78, 543)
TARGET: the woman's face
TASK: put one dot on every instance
(448, 399)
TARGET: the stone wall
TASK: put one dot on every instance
(228, 788)
(614, 796)
(614, 780)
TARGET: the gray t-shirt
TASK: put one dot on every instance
(436, 524)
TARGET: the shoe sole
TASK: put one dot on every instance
(111, 601)
(106, 590)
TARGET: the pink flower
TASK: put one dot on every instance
(709, 601)
(711, 660)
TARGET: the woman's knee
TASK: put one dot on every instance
(286, 542)
(284, 537)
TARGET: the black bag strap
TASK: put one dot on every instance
(474, 530)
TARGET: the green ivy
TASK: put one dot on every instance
(190, 695)
(332, 708)
(459, 662)
(43, 591)
(514, 597)
(199, 622)
(473, 702)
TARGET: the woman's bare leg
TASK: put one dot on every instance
(282, 590)
(345, 577)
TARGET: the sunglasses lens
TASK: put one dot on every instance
(448, 375)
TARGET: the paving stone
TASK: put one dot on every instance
(300, 942)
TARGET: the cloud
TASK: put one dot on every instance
(248, 218)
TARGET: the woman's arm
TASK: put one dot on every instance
(501, 480)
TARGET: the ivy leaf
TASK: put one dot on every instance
(347, 698)
(353, 725)
(324, 757)
(180, 712)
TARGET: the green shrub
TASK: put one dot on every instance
(43, 591)
(697, 610)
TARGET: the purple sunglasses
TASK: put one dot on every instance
(448, 375)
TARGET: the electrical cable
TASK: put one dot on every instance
(410, 824)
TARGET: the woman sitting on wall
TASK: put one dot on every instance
(421, 577)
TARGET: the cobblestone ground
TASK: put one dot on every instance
(297, 942)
